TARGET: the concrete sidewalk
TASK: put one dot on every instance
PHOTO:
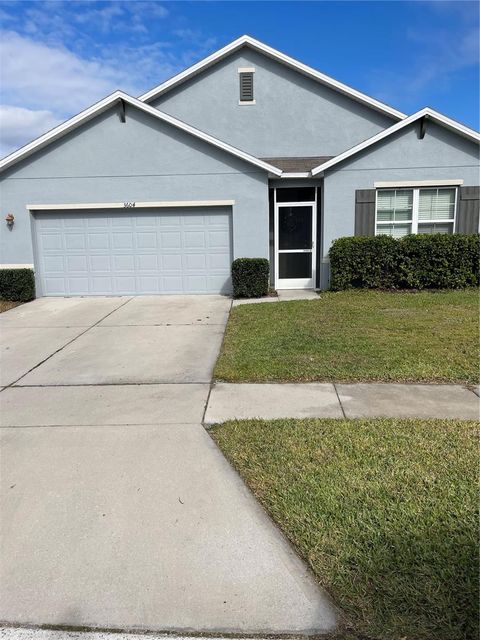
(283, 295)
(25, 633)
(324, 400)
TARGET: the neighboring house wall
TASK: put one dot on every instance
(292, 116)
(139, 160)
(441, 155)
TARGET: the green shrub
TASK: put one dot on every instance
(414, 262)
(250, 277)
(439, 261)
(17, 285)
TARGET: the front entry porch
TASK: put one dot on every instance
(294, 237)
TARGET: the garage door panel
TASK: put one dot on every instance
(195, 239)
(54, 286)
(170, 240)
(55, 264)
(146, 263)
(51, 241)
(75, 240)
(218, 239)
(147, 240)
(102, 253)
(74, 264)
(76, 286)
(124, 284)
(195, 261)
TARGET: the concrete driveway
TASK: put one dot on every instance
(118, 511)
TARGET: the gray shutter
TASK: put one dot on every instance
(468, 214)
(365, 212)
(246, 86)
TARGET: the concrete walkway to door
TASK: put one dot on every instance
(118, 510)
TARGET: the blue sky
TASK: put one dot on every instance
(56, 58)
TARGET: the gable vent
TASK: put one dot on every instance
(246, 86)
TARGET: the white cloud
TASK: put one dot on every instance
(20, 124)
(36, 75)
(57, 58)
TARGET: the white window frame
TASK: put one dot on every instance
(415, 222)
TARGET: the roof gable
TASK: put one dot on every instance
(248, 41)
(107, 103)
(427, 113)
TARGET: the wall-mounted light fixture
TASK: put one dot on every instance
(9, 219)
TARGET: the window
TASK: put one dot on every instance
(436, 210)
(246, 86)
(296, 194)
(395, 212)
(404, 211)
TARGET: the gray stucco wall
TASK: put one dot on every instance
(293, 115)
(140, 160)
(441, 155)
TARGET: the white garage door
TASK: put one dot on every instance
(146, 252)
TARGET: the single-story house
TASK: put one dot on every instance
(248, 153)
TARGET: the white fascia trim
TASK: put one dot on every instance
(281, 57)
(104, 104)
(16, 266)
(417, 183)
(304, 174)
(427, 112)
(129, 206)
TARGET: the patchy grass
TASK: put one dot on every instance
(5, 305)
(354, 336)
(384, 511)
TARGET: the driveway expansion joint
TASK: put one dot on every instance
(339, 401)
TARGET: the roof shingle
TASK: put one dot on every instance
(297, 164)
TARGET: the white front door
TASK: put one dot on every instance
(295, 246)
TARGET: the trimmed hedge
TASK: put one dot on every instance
(437, 261)
(250, 277)
(17, 285)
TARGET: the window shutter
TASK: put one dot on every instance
(468, 213)
(246, 87)
(365, 212)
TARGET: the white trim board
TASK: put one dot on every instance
(246, 40)
(417, 183)
(16, 266)
(301, 174)
(130, 206)
(439, 118)
(108, 102)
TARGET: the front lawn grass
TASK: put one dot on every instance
(354, 336)
(384, 511)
